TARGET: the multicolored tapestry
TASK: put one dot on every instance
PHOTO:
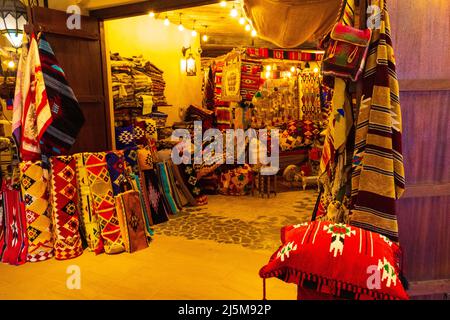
(166, 188)
(144, 205)
(178, 176)
(36, 113)
(34, 183)
(89, 218)
(131, 159)
(66, 113)
(125, 137)
(65, 214)
(236, 182)
(132, 226)
(250, 78)
(378, 176)
(103, 201)
(178, 195)
(115, 161)
(153, 194)
(13, 227)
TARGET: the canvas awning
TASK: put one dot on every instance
(291, 23)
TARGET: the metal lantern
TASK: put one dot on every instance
(13, 17)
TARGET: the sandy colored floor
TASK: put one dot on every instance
(179, 264)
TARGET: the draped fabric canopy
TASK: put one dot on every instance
(291, 23)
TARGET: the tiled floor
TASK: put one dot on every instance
(213, 252)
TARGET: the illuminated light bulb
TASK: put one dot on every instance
(11, 64)
(151, 14)
(223, 4)
(248, 27)
(234, 13)
(293, 69)
(242, 20)
(205, 38)
(194, 33)
(268, 68)
(180, 27)
(166, 21)
(254, 33)
(267, 74)
(289, 74)
(316, 70)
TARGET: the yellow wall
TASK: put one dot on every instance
(162, 46)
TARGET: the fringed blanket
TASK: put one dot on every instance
(36, 113)
(103, 201)
(378, 173)
(66, 113)
(89, 217)
(34, 183)
(13, 227)
(132, 226)
(66, 220)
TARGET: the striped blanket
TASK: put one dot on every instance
(66, 113)
(378, 173)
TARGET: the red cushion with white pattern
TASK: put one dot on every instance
(339, 260)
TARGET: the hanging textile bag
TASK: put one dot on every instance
(346, 52)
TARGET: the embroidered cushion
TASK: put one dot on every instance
(125, 137)
(338, 260)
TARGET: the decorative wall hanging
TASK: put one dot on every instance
(231, 78)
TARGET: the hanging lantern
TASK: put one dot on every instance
(13, 17)
(189, 64)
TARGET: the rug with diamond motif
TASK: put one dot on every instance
(90, 228)
(103, 201)
(65, 214)
(34, 184)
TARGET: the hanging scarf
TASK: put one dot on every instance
(66, 113)
(65, 213)
(34, 183)
(36, 114)
(378, 173)
(19, 93)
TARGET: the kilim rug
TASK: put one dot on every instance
(131, 159)
(34, 183)
(103, 201)
(250, 78)
(13, 225)
(89, 217)
(66, 113)
(65, 214)
(154, 197)
(115, 161)
(145, 206)
(167, 190)
(132, 226)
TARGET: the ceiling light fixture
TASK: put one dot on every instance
(234, 13)
(254, 33)
(194, 32)
(205, 37)
(166, 21)
(248, 27)
(180, 26)
(223, 4)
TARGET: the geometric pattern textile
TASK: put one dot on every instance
(103, 201)
(34, 183)
(88, 216)
(64, 197)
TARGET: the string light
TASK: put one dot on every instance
(316, 70)
(151, 14)
(166, 21)
(248, 27)
(223, 4)
(11, 64)
(292, 69)
(234, 13)
(254, 33)
(268, 68)
(205, 36)
(242, 20)
(267, 74)
(180, 26)
(194, 32)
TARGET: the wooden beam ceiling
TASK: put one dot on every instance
(144, 7)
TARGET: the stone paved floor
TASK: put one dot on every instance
(251, 222)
